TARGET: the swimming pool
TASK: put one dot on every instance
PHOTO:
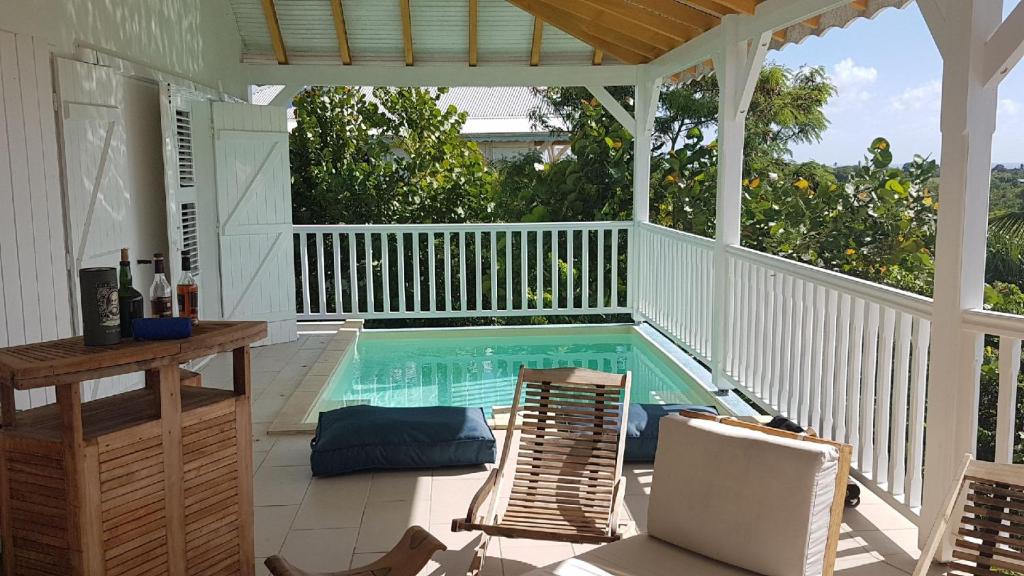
(478, 367)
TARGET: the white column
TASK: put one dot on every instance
(960, 29)
(645, 107)
(737, 68)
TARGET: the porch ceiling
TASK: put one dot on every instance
(499, 32)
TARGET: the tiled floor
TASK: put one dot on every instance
(335, 523)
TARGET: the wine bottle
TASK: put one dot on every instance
(188, 292)
(129, 299)
(160, 304)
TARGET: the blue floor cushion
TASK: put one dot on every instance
(642, 428)
(375, 438)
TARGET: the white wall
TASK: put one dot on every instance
(196, 39)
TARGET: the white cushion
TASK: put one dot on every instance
(750, 499)
(639, 556)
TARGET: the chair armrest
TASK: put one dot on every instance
(481, 496)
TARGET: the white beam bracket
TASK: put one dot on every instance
(613, 107)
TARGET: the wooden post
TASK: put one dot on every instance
(242, 377)
(961, 29)
(174, 486)
(645, 101)
(738, 67)
(69, 402)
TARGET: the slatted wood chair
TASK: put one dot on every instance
(407, 558)
(567, 471)
(988, 537)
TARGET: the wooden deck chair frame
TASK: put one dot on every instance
(987, 497)
(567, 466)
(842, 475)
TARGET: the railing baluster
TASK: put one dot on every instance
(508, 270)
(353, 273)
(400, 253)
(601, 301)
(884, 397)
(840, 383)
(494, 270)
(796, 351)
(807, 383)
(897, 453)
(570, 291)
(538, 237)
(336, 250)
(918, 377)
(524, 270)
(585, 261)
(828, 366)
(1006, 414)
(478, 259)
(432, 270)
(321, 280)
(854, 386)
(776, 346)
(866, 450)
(304, 262)
(818, 357)
(785, 382)
(385, 267)
(462, 271)
(615, 268)
(447, 271)
(556, 279)
(417, 287)
(371, 307)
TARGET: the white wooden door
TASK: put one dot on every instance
(254, 213)
(98, 202)
(35, 302)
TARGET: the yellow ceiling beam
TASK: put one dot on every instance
(270, 13)
(338, 12)
(859, 5)
(812, 23)
(473, 8)
(574, 26)
(538, 39)
(407, 31)
(598, 57)
(687, 15)
(741, 6)
(641, 28)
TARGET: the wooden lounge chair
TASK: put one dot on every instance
(987, 531)
(407, 558)
(567, 472)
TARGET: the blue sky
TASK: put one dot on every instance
(889, 76)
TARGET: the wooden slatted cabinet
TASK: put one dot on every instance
(150, 481)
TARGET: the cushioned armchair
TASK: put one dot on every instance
(730, 498)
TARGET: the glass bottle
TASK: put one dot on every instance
(188, 292)
(160, 304)
(129, 299)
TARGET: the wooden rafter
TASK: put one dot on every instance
(270, 13)
(538, 39)
(741, 6)
(712, 7)
(598, 57)
(407, 31)
(472, 32)
(338, 12)
(813, 23)
(579, 28)
(859, 5)
(687, 15)
(641, 28)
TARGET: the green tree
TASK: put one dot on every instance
(392, 156)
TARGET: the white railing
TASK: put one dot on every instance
(673, 283)
(1009, 330)
(844, 356)
(460, 270)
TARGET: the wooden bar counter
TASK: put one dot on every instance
(151, 481)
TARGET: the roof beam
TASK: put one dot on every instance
(473, 32)
(270, 13)
(407, 31)
(770, 15)
(339, 28)
(812, 23)
(641, 28)
(538, 39)
(711, 6)
(598, 57)
(859, 5)
(688, 15)
(613, 107)
(575, 26)
(438, 75)
(1006, 46)
(741, 6)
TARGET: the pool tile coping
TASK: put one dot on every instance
(292, 418)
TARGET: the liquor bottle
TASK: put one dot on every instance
(129, 299)
(160, 291)
(188, 292)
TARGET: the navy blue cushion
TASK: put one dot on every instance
(375, 438)
(642, 428)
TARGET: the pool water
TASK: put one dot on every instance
(478, 367)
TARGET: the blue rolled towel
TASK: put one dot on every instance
(162, 328)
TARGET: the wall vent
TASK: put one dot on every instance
(183, 135)
(190, 234)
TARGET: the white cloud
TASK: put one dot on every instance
(1008, 107)
(848, 73)
(923, 97)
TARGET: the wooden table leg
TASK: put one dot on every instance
(174, 470)
(69, 402)
(7, 406)
(242, 376)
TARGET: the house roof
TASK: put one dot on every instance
(535, 32)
